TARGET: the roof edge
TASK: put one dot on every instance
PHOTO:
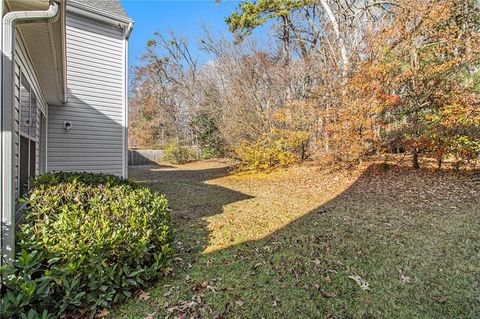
(102, 14)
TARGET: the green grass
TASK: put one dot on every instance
(283, 245)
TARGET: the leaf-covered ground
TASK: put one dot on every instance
(311, 243)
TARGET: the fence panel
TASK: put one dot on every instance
(144, 157)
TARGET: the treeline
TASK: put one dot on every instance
(344, 81)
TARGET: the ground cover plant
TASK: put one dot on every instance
(89, 241)
(378, 241)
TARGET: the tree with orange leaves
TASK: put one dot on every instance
(422, 76)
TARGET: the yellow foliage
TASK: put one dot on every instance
(278, 148)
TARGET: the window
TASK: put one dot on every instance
(43, 144)
(32, 129)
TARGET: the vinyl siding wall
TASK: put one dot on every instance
(96, 104)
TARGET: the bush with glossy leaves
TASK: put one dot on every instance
(88, 241)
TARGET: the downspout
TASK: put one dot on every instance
(9, 22)
(127, 31)
(1, 134)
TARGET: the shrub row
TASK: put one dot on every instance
(89, 240)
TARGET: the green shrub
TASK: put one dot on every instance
(175, 153)
(89, 240)
(208, 153)
(208, 134)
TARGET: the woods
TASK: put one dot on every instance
(343, 81)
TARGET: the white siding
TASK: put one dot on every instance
(96, 101)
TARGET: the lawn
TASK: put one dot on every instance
(375, 242)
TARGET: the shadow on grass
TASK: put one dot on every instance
(411, 237)
(190, 198)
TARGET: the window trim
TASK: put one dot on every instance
(31, 137)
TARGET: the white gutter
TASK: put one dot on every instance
(9, 22)
(129, 30)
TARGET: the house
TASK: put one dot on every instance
(64, 94)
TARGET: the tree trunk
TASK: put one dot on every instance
(415, 163)
(336, 29)
(439, 162)
(285, 41)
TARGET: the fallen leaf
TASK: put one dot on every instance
(405, 279)
(328, 294)
(441, 299)
(167, 271)
(142, 295)
(168, 292)
(150, 316)
(211, 288)
(102, 313)
(274, 303)
(364, 285)
(204, 285)
(256, 265)
(367, 299)
(239, 302)
(183, 307)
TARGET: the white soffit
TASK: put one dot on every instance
(45, 45)
(27, 5)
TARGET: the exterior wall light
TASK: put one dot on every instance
(67, 125)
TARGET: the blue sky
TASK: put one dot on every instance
(184, 17)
